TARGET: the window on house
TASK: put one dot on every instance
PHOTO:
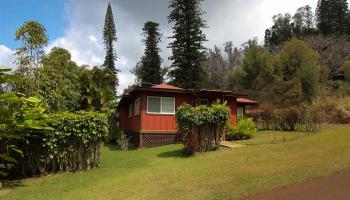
(153, 104)
(240, 111)
(202, 102)
(137, 107)
(168, 105)
(130, 110)
(161, 105)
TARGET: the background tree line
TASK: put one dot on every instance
(303, 56)
(253, 68)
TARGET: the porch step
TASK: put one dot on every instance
(231, 145)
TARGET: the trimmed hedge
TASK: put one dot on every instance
(202, 127)
(72, 145)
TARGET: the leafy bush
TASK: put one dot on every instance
(334, 109)
(245, 129)
(123, 141)
(202, 127)
(346, 69)
(20, 118)
(72, 145)
(305, 117)
(59, 86)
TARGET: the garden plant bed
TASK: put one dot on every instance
(165, 173)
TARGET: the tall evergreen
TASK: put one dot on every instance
(148, 70)
(303, 21)
(187, 45)
(109, 37)
(309, 17)
(267, 39)
(333, 16)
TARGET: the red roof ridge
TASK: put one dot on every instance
(166, 86)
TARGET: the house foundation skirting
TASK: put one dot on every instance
(158, 139)
(153, 139)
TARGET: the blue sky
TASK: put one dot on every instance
(13, 13)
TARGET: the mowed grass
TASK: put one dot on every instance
(274, 137)
(164, 173)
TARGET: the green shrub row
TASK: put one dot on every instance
(334, 109)
(302, 118)
(73, 144)
(202, 127)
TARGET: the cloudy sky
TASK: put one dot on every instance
(77, 25)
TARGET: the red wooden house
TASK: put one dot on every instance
(147, 114)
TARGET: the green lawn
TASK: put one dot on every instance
(163, 173)
(274, 137)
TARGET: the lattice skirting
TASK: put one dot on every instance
(153, 140)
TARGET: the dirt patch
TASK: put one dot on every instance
(336, 187)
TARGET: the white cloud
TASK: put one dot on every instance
(83, 37)
(6, 56)
(240, 20)
(83, 46)
(228, 20)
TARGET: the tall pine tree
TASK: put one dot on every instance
(109, 37)
(333, 16)
(187, 46)
(148, 70)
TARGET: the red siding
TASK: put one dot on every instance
(158, 123)
(232, 104)
(129, 123)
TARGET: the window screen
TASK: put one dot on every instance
(137, 107)
(202, 102)
(161, 105)
(168, 105)
(153, 104)
(240, 111)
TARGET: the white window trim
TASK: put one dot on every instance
(161, 113)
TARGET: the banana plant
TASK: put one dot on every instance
(98, 96)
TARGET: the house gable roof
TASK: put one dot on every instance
(173, 89)
(166, 86)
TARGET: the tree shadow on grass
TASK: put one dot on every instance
(178, 153)
(11, 184)
(114, 147)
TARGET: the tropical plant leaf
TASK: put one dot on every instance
(2, 173)
(32, 100)
(10, 97)
(7, 158)
(9, 136)
(16, 149)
